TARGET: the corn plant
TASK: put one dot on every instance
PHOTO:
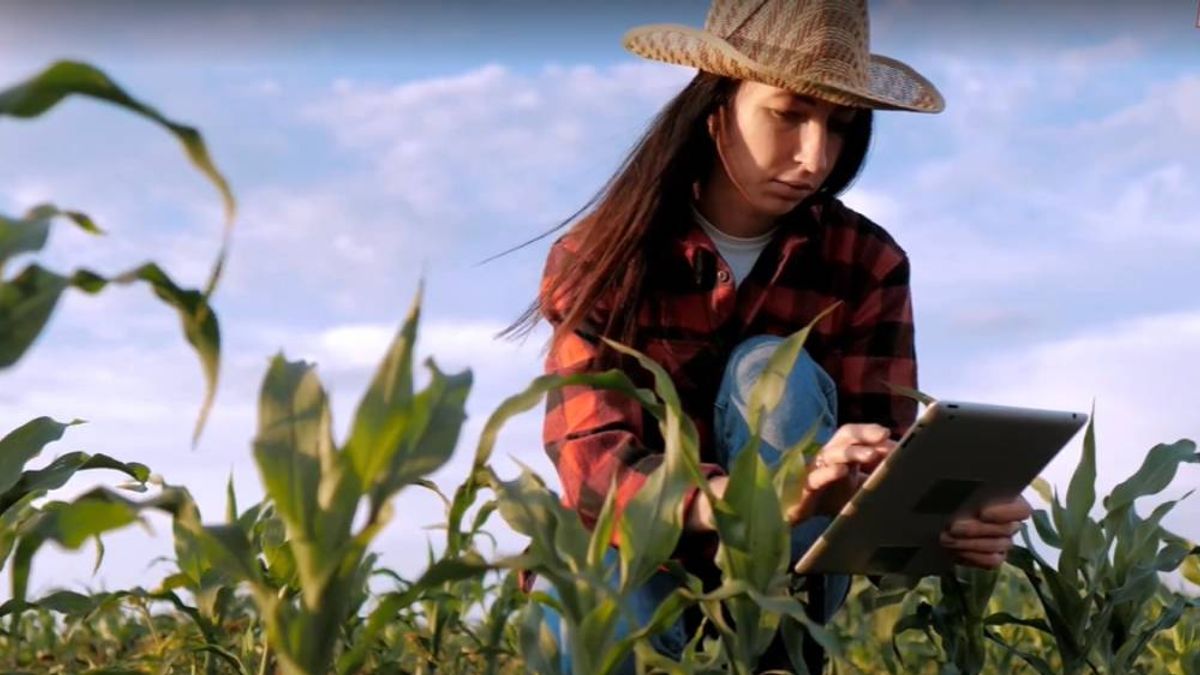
(282, 586)
(1102, 603)
(28, 299)
(753, 553)
(397, 437)
(570, 557)
(1104, 600)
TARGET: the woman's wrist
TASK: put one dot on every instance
(699, 517)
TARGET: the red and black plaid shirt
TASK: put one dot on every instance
(817, 256)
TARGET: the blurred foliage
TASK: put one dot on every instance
(285, 585)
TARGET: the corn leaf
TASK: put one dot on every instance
(23, 444)
(1081, 496)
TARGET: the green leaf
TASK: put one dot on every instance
(23, 444)
(47, 89)
(29, 233)
(12, 520)
(539, 647)
(754, 538)
(1173, 555)
(199, 323)
(26, 303)
(768, 388)
(1045, 529)
(382, 417)
(1006, 619)
(677, 429)
(516, 404)
(1063, 607)
(1190, 569)
(665, 615)
(790, 607)
(1042, 487)
(1155, 474)
(1147, 537)
(602, 532)
(70, 524)
(1040, 665)
(592, 638)
(435, 421)
(293, 442)
(228, 549)
(754, 549)
(791, 474)
(231, 509)
(1169, 616)
(56, 474)
(298, 462)
(653, 517)
(1081, 496)
(793, 639)
(23, 235)
(559, 540)
(878, 600)
(441, 572)
(920, 619)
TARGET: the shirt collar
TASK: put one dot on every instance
(798, 230)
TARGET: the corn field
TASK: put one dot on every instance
(282, 586)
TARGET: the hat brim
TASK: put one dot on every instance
(892, 84)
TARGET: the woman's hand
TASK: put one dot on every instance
(983, 539)
(834, 475)
(839, 470)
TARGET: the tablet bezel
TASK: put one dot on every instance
(874, 534)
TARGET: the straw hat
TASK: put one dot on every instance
(818, 48)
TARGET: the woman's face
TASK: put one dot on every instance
(775, 138)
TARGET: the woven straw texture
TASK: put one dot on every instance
(814, 47)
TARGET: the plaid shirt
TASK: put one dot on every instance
(816, 257)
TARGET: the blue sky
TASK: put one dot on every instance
(1050, 212)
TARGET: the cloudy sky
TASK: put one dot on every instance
(1050, 214)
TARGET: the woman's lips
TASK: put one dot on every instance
(795, 187)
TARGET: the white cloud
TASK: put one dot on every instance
(1160, 205)
(1081, 61)
(491, 140)
(1168, 107)
(463, 341)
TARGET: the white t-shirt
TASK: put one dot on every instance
(739, 252)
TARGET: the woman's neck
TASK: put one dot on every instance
(723, 205)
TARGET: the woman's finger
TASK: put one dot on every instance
(1014, 510)
(820, 477)
(978, 544)
(850, 454)
(970, 527)
(858, 434)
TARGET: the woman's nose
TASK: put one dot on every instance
(814, 144)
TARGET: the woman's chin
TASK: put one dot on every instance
(777, 205)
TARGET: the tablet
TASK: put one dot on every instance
(957, 457)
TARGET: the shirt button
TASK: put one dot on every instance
(723, 276)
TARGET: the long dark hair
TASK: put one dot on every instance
(650, 190)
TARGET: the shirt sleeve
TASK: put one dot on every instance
(593, 435)
(879, 348)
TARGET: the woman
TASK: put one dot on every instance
(721, 233)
